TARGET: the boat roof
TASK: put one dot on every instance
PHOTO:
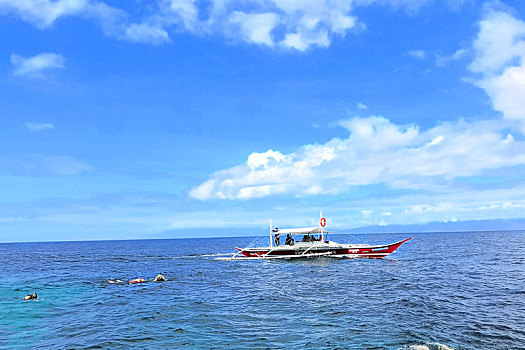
(300, 231)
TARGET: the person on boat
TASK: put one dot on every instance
(277, 239)
(31, 296)
(137, 280)
(159, 278)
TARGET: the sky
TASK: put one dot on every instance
(123, 120)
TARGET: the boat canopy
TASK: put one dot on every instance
(300, 231)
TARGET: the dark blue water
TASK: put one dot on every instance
(438, 291)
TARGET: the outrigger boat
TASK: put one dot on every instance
(311, 246)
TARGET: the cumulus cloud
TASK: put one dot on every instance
(255, 28)
(295, 25)
(376, 151)
(31, 126)
(146, 33)
(35, 66)
(43, 13)
(314, 23)
(46, 13)
(182, 12)
(500, 60)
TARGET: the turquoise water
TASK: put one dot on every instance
(438, 291)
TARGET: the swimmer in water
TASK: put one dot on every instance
(115, 281)
(31, 296)
(137, 280)
(159, 278)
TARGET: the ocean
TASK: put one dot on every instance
(438, 291)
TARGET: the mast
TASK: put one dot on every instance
(322, 232)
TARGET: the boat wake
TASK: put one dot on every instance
(217, 254)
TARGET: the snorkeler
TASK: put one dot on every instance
(137, 280)
(31, 296)
(159, 278)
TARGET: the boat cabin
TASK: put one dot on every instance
(297, 235)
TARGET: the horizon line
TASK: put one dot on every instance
(218, 237)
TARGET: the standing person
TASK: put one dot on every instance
(277, 239)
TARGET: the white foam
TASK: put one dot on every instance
(218, 254)
(430, 346)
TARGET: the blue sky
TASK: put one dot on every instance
(126, 119)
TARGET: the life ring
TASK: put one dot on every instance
(323, 222)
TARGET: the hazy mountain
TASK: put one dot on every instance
(472, 225)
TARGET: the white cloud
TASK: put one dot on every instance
(437, 140)
(180, 11)
(311, 23)
(203, 192)
(296, 25)
(442, 61)
(362, 106)
(500, 59)
(147, 34)
(264, 160)
(31, 126)
(36, 65)
(256, 28)
(43, 13)
(301, 24)
(419, 54)
(375, 152)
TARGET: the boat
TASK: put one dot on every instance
(311, 242)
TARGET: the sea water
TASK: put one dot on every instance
(438, 291)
